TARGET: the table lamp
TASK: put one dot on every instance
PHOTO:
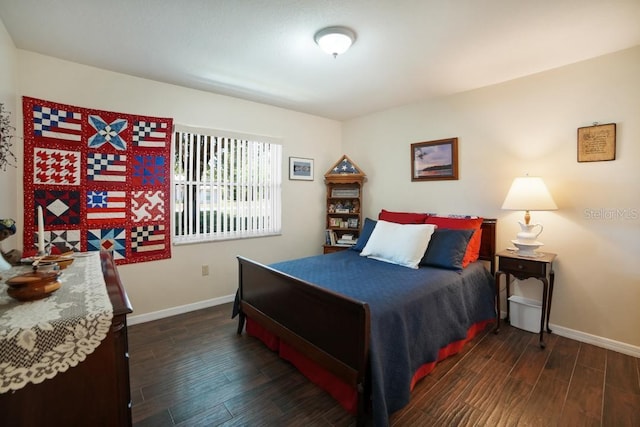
(528, 193)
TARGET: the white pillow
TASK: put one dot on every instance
(402, 244)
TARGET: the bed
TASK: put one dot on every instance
(366, 345)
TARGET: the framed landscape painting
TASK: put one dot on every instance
(434, 160)
(300, 169)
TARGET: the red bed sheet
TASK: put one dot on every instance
(345, 394)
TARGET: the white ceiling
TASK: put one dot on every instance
(263, 50)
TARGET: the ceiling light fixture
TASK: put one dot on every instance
(335, 40)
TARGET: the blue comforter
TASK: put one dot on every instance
(414, 313)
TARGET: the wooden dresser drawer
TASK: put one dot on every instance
(515, 266)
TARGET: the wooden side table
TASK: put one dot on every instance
(541, 268)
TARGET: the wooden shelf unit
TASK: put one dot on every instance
(343, 208)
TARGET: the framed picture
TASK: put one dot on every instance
(434, 160)
(597, 143)
(300, 168)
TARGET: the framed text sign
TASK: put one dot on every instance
(597, 143)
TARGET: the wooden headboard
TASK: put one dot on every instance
(488, 242)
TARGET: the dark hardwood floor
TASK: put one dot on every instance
(193, 370)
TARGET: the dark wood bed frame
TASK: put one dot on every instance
(326, 327)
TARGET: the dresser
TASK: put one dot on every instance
(93, 393)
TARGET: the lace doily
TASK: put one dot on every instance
(39, 339)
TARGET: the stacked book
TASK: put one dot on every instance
(347, 240)
(344, 240)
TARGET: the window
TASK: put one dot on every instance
(226, 186)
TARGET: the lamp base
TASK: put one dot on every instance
(527, 248)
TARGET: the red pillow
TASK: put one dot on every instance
(403, 217)
(473, 248)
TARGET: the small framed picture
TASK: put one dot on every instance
(300, 169)
(597, 143)
(434, 160)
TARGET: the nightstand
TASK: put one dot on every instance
(541, 268)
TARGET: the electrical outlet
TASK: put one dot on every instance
(205, 270)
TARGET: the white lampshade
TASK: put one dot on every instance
(335, 40)
(528, 193)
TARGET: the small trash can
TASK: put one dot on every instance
(525, 313)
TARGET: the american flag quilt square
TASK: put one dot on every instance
(102, 179)
(147, 238)
(107, 167)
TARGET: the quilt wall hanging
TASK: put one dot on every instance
(101, 178)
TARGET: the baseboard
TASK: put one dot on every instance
(607, 343)
(148, 317)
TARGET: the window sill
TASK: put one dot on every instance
(191, 240)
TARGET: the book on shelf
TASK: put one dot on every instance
(347, 240)
(330, 237)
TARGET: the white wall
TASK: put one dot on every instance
(530, 126)
(8, 190)
(163, 285)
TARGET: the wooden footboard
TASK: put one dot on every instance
(329, 328)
